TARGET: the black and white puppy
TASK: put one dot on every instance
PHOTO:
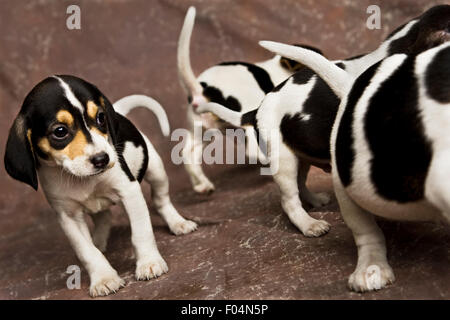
(302, 109)
(239, 86)
(390, 148)
(89, 157)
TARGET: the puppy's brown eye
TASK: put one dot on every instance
(60, 132)
(101, 119)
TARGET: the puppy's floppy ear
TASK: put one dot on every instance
(19, 157)
(294, 66)
(111, 118)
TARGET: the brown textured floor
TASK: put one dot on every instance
(245, 247)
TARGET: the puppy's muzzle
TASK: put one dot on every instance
(100, 160)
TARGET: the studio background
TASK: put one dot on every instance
(245, 247)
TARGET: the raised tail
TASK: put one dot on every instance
(339, 80)
(187, 77)
(128, 103)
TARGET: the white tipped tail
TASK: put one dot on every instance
(128, 103)
(338, 79)
(222, 112)
(187, 77)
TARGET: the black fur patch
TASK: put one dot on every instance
(126, 131)
(312, 137)
(394, 130)
(302, 76)
(249, 118)
(215, 95)
(437, 79)
(423, 35)
(281, 85)
(345, 154)
(341, 65)
(261, 76)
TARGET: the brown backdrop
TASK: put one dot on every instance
(245, 247)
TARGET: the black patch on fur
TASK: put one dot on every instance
(249, 118)
(345, 153)
(261, 76)
(215, 95)
(312, 137)
(424, 34)
(341, 65)
(281, 85)
(437, 79)
(302, 76)
(401, 154)
(19, 158)
(126, 131)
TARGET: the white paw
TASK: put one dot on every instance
(151, 269)
(106, 285)
(319, 199)
(372, 277)
(183, 227)
(204, 187)
(316, 228)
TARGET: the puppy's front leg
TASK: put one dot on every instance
(149, 263)
(104, 279)
(372, 271)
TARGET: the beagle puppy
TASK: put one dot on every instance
(302, 109)
(390, 149)
(87, 157)
(238, 86)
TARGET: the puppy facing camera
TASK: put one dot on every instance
(87, 156)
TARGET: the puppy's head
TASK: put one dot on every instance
(431, 30)
(292, 65)
(66, 122)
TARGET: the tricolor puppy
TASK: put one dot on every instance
(390, 148)
(302, 109)
(239, 86)
(88, 157)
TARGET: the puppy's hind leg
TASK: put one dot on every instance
(156, 176)
(372, 271)
(315, 199)
(102, 228)
(192, 156)
(286, 178)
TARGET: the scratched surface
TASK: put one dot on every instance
(245, 247)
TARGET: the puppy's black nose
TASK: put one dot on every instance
(100, 160)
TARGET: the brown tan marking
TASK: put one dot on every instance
(102, 102)
(92, 109)
(29, 138)
(74, 149)
(65, 117)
